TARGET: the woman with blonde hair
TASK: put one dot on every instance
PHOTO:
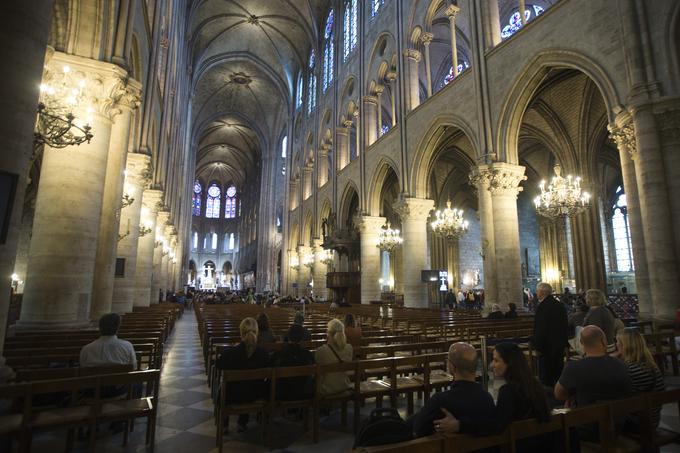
(247, 355)
(336, 350)
(600, 316)
(643, 370)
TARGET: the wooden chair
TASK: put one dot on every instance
(351, 396)
(306, 404)
(429, 444)
(662, 436)
(462, 443)
(596, 414)
(525, 429)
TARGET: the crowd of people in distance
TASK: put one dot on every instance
(470, 299)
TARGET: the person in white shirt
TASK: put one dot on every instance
(108, 349)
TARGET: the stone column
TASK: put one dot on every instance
(522, 5)
(654, 208)
(322, 165)
(292, 272)
(319, 271)
(24, 31)
(414, 213)
(412, 57)
(306, 181)
(137, 169)
(111, 206)
(480, 178)
(61, 262)
(492, 23)
(379, 89)
(427, 40)
(391, 78)
(304, 273)
(504, 187)
(451, 12)
(158, 254)
(294, 193)
(588, 248)
(146, 245)
(371, 117)
(342, 147)
(669, 136)
(358, 132)
(369, 230)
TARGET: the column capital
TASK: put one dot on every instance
(379, 90)
(138, 169)
(451, 11)
(391, 76)
(624, 137)
(427, 38)
(342, 130)
(368, 99)
(413, 208)
(505, 178)
(369, 224)
(348, 124)
(162, 219)
(480, 177)
(413, 54)
(153, 200)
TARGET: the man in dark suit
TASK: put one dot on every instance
(550, 335)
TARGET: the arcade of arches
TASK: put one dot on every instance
(263, 145)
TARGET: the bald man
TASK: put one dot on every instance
(551, 334)
(467, 401)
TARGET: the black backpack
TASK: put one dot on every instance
(384, 426)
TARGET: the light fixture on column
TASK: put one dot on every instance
(388, 238)
(60, 95)
(308, 260)
(294, 262)
(326, 256)
(144, 230)
(562, 198)
(449, 222)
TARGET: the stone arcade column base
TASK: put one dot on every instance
(369, 229)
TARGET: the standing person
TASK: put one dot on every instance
(450, 299)
(461, 298)
(550, 334)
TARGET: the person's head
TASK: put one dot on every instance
(495, 307)
(566, 290)
(633, 348)
(510, 364)
(462, 361)
(543, 290)
(595, 298)
(299, 318)
(594, 341)
(349, 320)
(109, 324)
(295, 333)
(263, 322)
(336, 334)
(512, 306)
(249, 330)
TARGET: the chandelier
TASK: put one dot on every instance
(562, 198)
(56, 125)
(449, 222)
(388, 238)
(326, 256)
(308, 260)
(294, 262)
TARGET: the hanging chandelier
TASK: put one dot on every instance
(326, 256)
(449, 223)
(56, 125)
(294, 262)
(308, 260)
(562, 198)
(388, 238)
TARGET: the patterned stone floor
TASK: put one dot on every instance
(186, 423)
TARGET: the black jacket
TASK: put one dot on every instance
(235, 358)
(550, 327)
(295, 388)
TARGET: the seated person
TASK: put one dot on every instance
(467, 401)
(352, 331)
(245, 356)
(298, 320)
(512, 311)
(496, 312)
(108, 349)
(293, 354)
(643, 370)
(576, 319)
(264, 335)
(336, 350)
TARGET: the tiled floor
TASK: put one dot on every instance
(186, 424)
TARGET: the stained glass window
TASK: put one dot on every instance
(212, 204)
(213, 242)
(195, 240)
(461, 67)
(384, 129)
(329, 52)
(349, 27)
(515, 20)
(231, 241)
(621, 229)
(375, 6)
(196, 201)
(230, 204)
(311, 95)
(284, 145)
(298, 94)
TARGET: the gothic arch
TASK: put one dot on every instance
(380, 173)
(523, 89)
(345, 203)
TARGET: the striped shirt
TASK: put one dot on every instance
(647, 379)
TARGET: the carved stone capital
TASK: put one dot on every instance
(452, 11)
(379, 90)
(162, 219)
(348, 124)
(137, 168)
(369, 224)
(480, 177)
(624, 137)
(391, 76)
(152, 200)
(427, 38)
(371, 100)
(413, 54)
(413, 208)
(505, 178)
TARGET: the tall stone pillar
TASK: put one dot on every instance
(412, 58)
(588, 247)
(158, 253)
(136, 180)
(504, 187)
(293, 260)
(24, 30)
(451, 12)
(669, 136)
(414, 213)
(111, 206)
(480, 178)
(391, 78)
(654, 208)
(369, 230)
(294, 193)
(371, 118)
(63, 249)
(319, 271)
(146, 245)
(379, 89)
(322, 165)
(307, 181)
(342, 147)
(304, 272)
(491, 23)
(427, 40)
